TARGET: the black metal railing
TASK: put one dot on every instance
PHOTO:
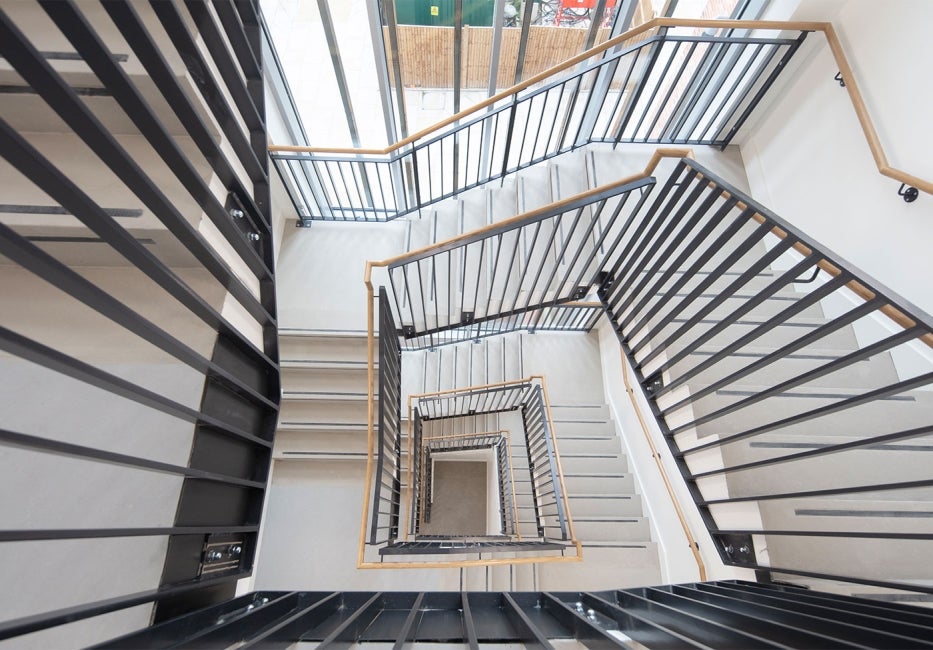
(534, 261)
(438, 445)
(551, 518)
(566, 317)
(474, 401)
(547, 487)
(387, 495)
(137, 413)
(794, 391)
(670, 88)
(508, 517)
(423, 477)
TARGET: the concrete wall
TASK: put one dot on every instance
(808, 160)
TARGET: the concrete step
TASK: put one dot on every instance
(615, 528)
(604, 505)
(586, 429)
(473, 208)
(580, 412)
(599, 445)
(599, 483)
(900, 461)
(336, 445)
(446, 220)
(873, 372)
(324, 412)
(323, 349)
(843, 340)
(593, 465)
(502, 201)
(772, 306)
(341, 380)
(603, 568)
(888, 415)
(855, 515)
(419, 230)
(533, 188)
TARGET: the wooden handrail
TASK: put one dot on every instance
(691, 540)
(851, 86)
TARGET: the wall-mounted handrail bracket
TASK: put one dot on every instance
(908, 193)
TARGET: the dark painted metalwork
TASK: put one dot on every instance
(551, 520)
(783, 388)
(508, 270)
(730, 614)
(684, 90)
(235, 376)
(384, 527)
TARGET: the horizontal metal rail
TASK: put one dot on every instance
(786, 382)
(566, 317)
(527, 395)
(149, 390)
(666, 89)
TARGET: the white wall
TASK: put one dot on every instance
(677, 560)
(807, 158)
(320, 273)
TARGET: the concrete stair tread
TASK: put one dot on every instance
(321, 334)
(322, 426)
(324, 364)
(310, 396)
(608, 519)
(320, 456)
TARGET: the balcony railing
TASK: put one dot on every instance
(666, 89)
(652, 84)
(566, 317)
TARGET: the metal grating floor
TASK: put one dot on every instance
(729, 614)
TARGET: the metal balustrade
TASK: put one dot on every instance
(139, 415)
(387, 495)
(536, 260)
(565, 317)
(667, 89)
(427, 449)
(444, 414)
(548, 493)
(773, 367)
(793, 390)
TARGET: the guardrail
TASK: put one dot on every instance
(667, 88)
(793, 390)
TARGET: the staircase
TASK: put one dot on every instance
(746, 298)
(607, 511)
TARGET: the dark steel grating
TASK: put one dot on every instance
(729, 614)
